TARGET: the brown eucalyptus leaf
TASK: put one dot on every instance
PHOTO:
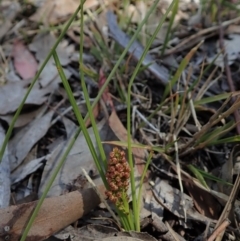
(204, 201)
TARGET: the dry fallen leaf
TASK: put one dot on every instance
(232, 49)
(20, 173)
(10, 9)
(233, 29)
(42, 44)
(55, 11)
(25, 118)
(26, 138)
(171, 199)
(10, 100)
(4, 27)
(136, 12)
(24, 62)
(4, 174)
(204, 202)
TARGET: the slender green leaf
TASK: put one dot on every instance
(198, 175)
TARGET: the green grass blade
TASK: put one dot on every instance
(174, 12)
(78, 116)
(215, 98)
(212, 177)
(232, 139)
(90, 110)
(212, 136)
(198, 175)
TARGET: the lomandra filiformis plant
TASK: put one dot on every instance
(117, 176)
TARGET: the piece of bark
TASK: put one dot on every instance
(55, 214)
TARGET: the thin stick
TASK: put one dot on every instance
(220, 229)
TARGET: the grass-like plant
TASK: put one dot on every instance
(117, 170)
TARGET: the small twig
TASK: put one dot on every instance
(219, 230)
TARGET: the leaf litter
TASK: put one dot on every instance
(5, 175)
(47, 124)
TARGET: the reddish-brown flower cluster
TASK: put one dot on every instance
(117, 176)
